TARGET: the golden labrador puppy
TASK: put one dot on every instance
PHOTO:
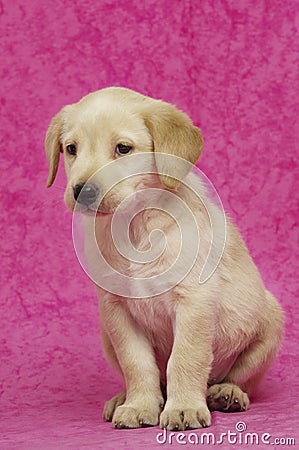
(183, 348)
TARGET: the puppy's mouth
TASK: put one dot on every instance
(93, 212)
(100, 213)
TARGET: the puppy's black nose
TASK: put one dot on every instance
(86, 194)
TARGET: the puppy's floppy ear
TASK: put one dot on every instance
(173, 133)
(53, 146)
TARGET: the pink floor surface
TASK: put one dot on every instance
(233, 67)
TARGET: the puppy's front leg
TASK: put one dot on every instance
(189, 366)
(135, 355)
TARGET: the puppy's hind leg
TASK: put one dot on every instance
(250, 366)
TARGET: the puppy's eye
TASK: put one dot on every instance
(71, 149)
(123, 149)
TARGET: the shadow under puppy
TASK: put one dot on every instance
(209, 344)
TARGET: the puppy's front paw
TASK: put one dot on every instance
(185, 418)
(227, 397)
(112, 404)
(135, 417)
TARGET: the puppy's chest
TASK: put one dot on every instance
(156, 244)
(143, 258)
(155, 317)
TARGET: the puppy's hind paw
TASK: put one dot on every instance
(227, 397)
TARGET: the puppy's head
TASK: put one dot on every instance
(111, 124)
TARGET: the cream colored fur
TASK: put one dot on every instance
(210, 343)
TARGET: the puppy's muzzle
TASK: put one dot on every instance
(86, 194)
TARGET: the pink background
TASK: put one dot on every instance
(233, 67)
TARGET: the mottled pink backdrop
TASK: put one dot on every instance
(233, 67)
